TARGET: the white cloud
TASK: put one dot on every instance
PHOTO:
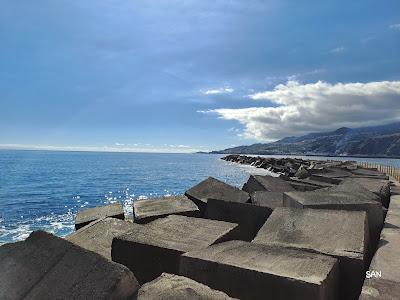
(304, 108)
(395, 26)
(119, 144)
(224, 90)
(338, 50)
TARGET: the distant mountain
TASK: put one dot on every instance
(382, 141)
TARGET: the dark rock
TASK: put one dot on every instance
(250, 271)
(212, 188)
(174, 287)
(266, 183)
(249, 217)
(267, 199)
(341, 234)
(47, 267)
(154, 248)
(86, 216)
(98, 235)
(148, 210)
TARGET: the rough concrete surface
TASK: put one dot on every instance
(342, 234)
(98, 235)
(250, 271)
(86, 216)
(387, 262)
(266, 183)
(249, 217)
(267, 199)
(378, 186)
(212, 188)
(174, 287)
(47, 267)
(151, 249)
(148, 210)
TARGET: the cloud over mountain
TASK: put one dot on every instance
(302, 108)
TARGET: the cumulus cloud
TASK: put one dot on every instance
(224, 90)
(302, 108)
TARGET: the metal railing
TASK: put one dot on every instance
(389, 170)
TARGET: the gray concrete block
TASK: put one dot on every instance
(267, 199)
(379, 187)
(392, 219)
(86, 216)
(251, 271)
(266, 183)
(386, 283)
(151, 249)
(310, 181)
(98, 235)
(350, 197)
(249, 217)
(47, 267)
(148, 210)
(174, 287)
(341, 234)
(212, 188)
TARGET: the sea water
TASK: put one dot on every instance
(45, 189)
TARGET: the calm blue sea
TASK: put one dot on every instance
(45, 189)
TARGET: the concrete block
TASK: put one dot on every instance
(266, 183)
(86, 216)
(384, 269)
(174, 287)
(249, 217)
(332, 180)
(212, 188)
(148, 210)
(98, 235)
(47, 267)
(250, 271)
(342, 197)
(395, 190)
(154, 248)
(392, 219)
(310, 181)
(379, 187)
(267, 199)
(341, 234)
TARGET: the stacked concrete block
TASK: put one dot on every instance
(212, 188)
(47, 267)
(250, 271)
(266, 183)
(86, 216)
(151, 249)
(340, 234)
(145, 211)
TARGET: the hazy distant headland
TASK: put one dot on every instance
(376, 141)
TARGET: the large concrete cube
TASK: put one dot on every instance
(267, 199)
(148, 210)
(98, 235)
(212, 188)
(342, 197)
(86, 216)
(266, 183)
(392, 219)
(379, 187)
(341, 234)
(384, 272)
(250, 271)
(249, 217)
(47, 267)
(174, 287)
(151, 249)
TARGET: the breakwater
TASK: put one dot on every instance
(319, 230)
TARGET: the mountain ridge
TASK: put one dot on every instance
(372, 141)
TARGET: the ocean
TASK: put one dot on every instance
(45, 189)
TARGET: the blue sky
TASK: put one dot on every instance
(193, 75)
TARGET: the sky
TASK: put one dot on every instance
(183, 76)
